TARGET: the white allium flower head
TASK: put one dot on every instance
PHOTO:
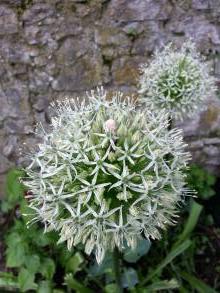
(178, 80)
(107, 173)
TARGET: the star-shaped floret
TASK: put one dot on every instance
(100, 163)
(90, 188)
(125, 182)
(129, 153)
(108, 138)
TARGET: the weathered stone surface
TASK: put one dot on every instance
(201, 4)
(137, 10)
(8, 21)
(72, 49)
(38, 13)
(5, 164)
(152, 38)
(50, 48)
(125, 71)
(112, 39)
(198, 28)
(85, 74)
(9, 146)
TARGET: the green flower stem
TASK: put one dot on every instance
(117, 270)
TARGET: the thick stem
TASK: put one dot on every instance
(117, 270)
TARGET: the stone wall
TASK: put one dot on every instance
(53, 47)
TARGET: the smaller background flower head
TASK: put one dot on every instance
(177, 80)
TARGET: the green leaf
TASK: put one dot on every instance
(73, 264)
(14, 189)
(129, 278)
(32, 263)
(162, 285)
(200, 180)
(48, 268)
(111, 288)
(197, 284)
(64, 254)
(8, 280)
(26, 280)
(44, 239)
(192, 221)
(177, 250)
(100, 269)
(44, 287)
(16, 251)
(133, 255)
(75, 285)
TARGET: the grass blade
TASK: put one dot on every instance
(162, 285)
(192, 221)
(177, 250)
(197, 284)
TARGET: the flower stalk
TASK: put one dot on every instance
(117, 270)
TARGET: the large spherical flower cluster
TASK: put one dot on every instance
(107, 174)
(176, 80)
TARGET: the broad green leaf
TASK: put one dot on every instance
(162, 285)
(44, 287)
(103, 267)
(177, 250)
(197, 284)
(7, 280)
(48, 268)
(64, 254)
(32, 263)
(129, 278)
(111, 288)
(73, 264)
(26, 280)
(191, 222)
(16, 251)
(44, 239)
(15, 257)
(133, 255)
(75, 285)
(14, 189)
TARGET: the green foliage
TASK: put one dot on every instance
(34, 255)
(195, 211)
(129, 278)
(26, 280)
(201, 181)
(162, 285)
(200, 286)
(169, 258)
(133, 255)
(14, 190)
(37, 264)
(72, 283)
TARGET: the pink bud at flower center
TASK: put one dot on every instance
(110, 125)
